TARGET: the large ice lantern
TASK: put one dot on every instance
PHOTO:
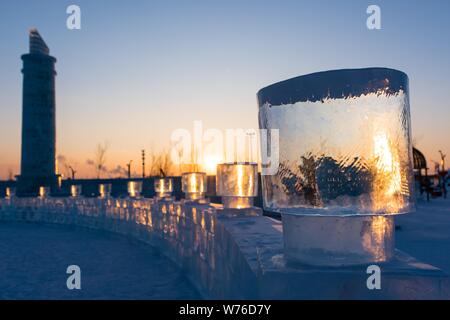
(344, 163)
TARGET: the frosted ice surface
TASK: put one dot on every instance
(340, 155)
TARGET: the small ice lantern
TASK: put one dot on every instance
(163, 187)
(44, 192)
(104, 190)
(344, 163)
(237, 184)
(75, 191)
(134, 189)
(193, 185)
(10, 192)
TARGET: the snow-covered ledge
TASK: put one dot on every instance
(229, 253)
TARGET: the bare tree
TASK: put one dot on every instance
(161, 162)
(442, 159)
(99, 159)
(63, 165)
(73, 172)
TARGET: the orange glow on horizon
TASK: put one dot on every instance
(210, 163)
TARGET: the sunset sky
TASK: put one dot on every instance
(137, 70)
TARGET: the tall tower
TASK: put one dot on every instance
(38, 118)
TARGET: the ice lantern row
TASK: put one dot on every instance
(344, 162)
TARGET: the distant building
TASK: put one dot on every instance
(38, 167)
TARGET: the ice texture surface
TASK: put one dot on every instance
(341, 154)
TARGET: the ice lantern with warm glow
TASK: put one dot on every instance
(344, 151)
(43, 192)
(193, 184)
(75, 191)
(10, 192)
(104, 190)
(134, 189)
(237, 184)
(163, 187)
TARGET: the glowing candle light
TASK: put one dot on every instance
(43, 192)
(193, 185)
(237, 184)
(104, 190)
(134, 189)
(10, 192)
(75, 191)
(163, 187)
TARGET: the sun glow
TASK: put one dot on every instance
(388, 180)
(210, 163)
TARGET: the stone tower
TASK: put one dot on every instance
(38, 118)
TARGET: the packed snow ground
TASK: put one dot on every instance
(34, 259)
(425, 234)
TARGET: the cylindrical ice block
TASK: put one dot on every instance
(44, 192)
(193, 184)
(104, 190)
(10, 192)
(344, 160)
(134, 189)
(237, 184)
(75, 191)
(337, 240)
(344, 142)
(163, 187)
